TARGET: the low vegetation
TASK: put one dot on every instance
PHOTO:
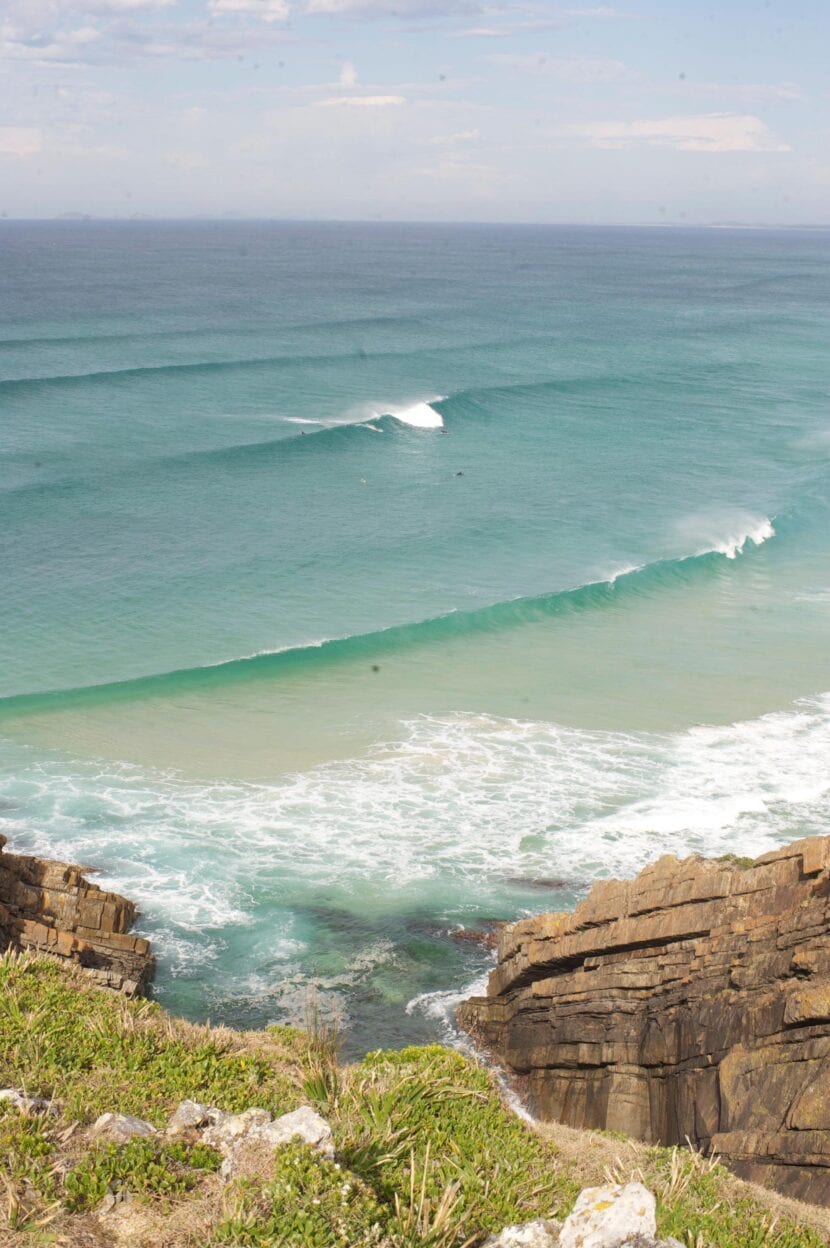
(736, 860)
(92, 1051)
(427, 1156)
(143, 1167)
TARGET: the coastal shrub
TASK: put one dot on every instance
(307, 1203)
(696, 1203)
(94, 1051)
(143, 1167)
(737, 860)
(428, 1120)
(26, 1150)
(428, 1154)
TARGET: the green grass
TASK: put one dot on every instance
(306, 1201)
(432, 1113)
(697, 1204)
(26, 1149)
(94, 1051)
(428, 1156)
(143, 1167)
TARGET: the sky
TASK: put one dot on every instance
(661, 111)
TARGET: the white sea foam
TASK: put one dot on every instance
(441, 1006)
(291, 991)
(448, 815)
(625, 570)
(456, 798)
(726, 531)
(734, 545)
(420, 415)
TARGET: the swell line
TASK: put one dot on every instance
(104, 376)
(419, 415)
(206, 331)
(165, 370)
(593, 595)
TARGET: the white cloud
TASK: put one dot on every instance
(348, 75)
(41, 18)
(20, 140)
(452, 140)
(709, 132)
(268, 10)
(186, 161)
(122, 6)
(96, 151)
(747, 92)
(579, 69)
(59, 47)
(602, 10)
(455, 168)
(363, 101)
(81, 96)
(389, 8)
(39, 31)
(85, 34)
(483, 182)
(511, 22)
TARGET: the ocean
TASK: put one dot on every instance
(366, 583)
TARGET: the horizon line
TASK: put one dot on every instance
(83, 218)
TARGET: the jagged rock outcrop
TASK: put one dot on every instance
(51, 908)
(691, 1002)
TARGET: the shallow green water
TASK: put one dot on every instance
(359, 578)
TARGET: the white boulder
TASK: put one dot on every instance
(193, 1114)
(26, 1104)
(121, 1127)
(303, 1124)
(238, 1134)
(646, 1241)
(609, 1217)
(231, 1128)
(539, 1234)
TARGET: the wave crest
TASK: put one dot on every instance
(726, 531)
(760, 533)
(632, 581)
(420, 415)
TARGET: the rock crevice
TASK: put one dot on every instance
(690, 1003)
(51, 908)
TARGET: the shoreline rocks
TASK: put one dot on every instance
(692, 1002)
(51, 908)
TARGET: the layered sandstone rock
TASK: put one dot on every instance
(51, 908)
(692, 1002)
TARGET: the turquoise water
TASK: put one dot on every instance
(365, 582)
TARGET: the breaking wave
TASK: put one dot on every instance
(251, 887)
(617, 588)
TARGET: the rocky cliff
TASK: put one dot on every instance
(691, 1002)
(51, 908)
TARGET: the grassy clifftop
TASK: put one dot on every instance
(427, 1156)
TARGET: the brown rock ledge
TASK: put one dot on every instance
(691, 1002)
(49, 907)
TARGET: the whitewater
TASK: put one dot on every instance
(402, 579)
